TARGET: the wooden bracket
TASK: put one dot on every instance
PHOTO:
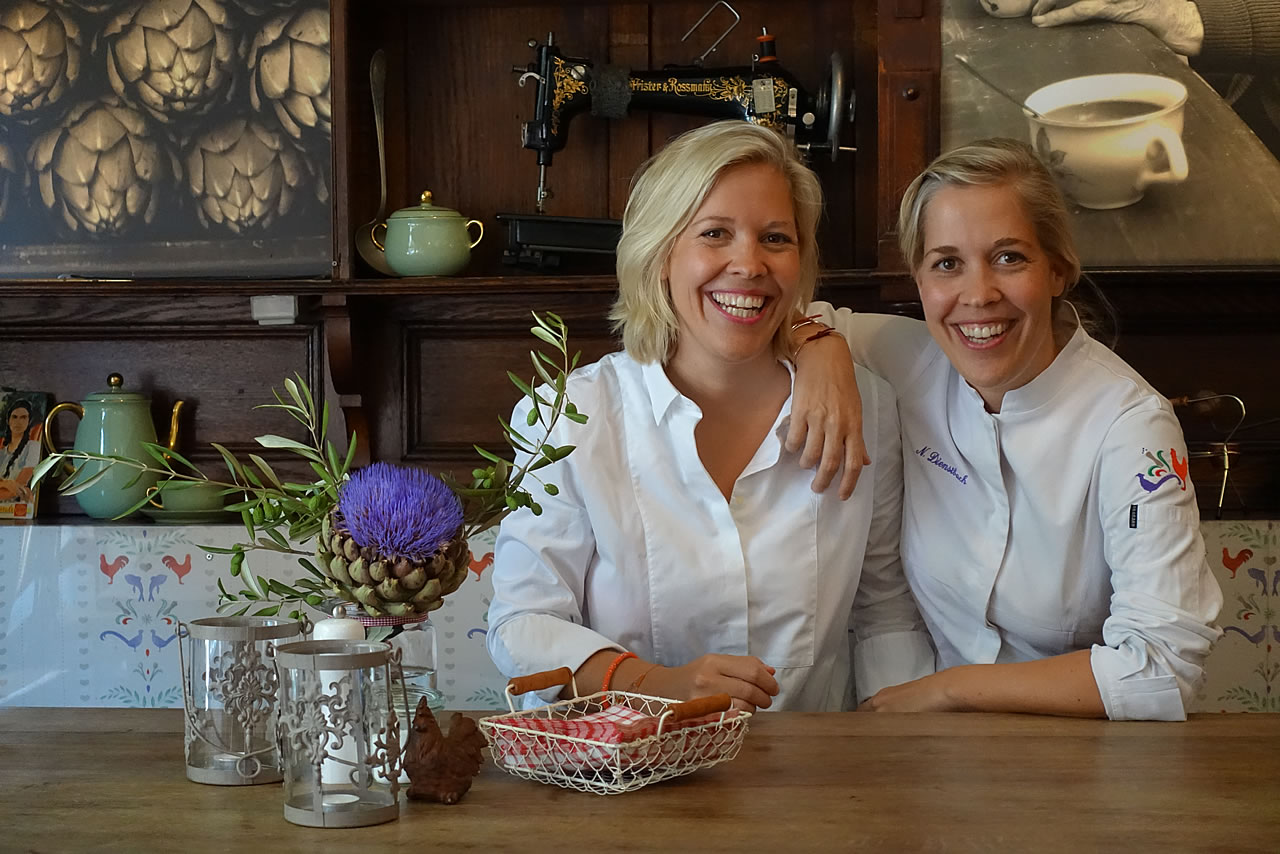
(340, 353)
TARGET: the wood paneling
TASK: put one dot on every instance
(629, 46)
(418, 367)
(454, 107)
(1188, 332)
(909, 105)
(1215, 359)
(341, 91)
(908, 51)
(438, 381)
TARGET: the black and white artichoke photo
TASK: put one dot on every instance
(164, 138)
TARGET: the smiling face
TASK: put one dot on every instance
(987, 288)
(19, 421)
(734, 272)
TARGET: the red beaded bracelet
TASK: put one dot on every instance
(608, 674)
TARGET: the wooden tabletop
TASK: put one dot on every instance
(1227, 212)
(113, 780)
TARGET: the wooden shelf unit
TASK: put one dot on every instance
(418, 366)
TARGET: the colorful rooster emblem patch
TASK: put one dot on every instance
(1161, 472)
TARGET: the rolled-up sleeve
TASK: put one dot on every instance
(1165, 599)
(540, 566)
(890, 642)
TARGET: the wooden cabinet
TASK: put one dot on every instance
(431, 355)
(418, 366)
(454, 107)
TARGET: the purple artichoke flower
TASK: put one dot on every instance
(398, 510)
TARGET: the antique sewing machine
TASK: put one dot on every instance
(763, 92)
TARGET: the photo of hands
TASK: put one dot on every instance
(1238, 55)
(1159, 118)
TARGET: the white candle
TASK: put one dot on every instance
(337, 628)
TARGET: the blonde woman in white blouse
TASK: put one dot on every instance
(685, 554)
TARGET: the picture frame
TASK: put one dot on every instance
(199, 166)
(21, 448)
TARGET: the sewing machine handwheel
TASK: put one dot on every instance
(837, 98)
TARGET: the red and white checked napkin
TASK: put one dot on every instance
(546, 743)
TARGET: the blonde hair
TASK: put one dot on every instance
(988, 162)
(666, 193)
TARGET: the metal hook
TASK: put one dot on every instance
(1226, 442)
(716, 43)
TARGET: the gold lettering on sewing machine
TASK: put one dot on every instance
(716, 89)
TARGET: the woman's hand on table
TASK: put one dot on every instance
(927, 694)
(826, 413)
(1057, 685)
(745, 678)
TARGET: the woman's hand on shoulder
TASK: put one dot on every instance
(745, 678)
(826, 415)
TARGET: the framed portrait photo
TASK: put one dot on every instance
(21, 441)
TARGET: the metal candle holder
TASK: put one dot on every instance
(338, 732)
(229, 695)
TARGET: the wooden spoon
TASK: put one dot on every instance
(365, 243)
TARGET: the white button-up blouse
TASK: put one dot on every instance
(1066, 521)
(640, 551)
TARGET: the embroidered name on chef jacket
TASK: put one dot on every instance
(934, 457)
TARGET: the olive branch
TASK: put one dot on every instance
(277, 514)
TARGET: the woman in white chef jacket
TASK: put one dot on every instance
(684, 553)
(1050, 532)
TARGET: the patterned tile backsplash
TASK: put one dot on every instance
(87, 615)
(1244, 668)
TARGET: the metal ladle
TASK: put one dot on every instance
(365, 243)
(964, 63)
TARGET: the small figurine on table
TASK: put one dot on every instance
(440, 767)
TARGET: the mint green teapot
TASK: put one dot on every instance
(427, 240)
(115, 422)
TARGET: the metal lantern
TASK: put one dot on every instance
(338, 732)
(229, 693)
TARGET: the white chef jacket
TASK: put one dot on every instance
(1066, 521)
(640, 551)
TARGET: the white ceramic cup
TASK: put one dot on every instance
(1103, 161)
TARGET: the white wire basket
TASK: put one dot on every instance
(613, 741)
